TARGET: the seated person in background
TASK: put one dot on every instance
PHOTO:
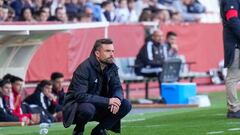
(44, 98)
(16, 101)
(6, 114)
(57, 80)
(172, 47)
(152, 55)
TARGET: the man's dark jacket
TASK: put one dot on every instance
(86, 86)
(231, 30)
(5, 112)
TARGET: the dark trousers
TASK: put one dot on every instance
(94, 112)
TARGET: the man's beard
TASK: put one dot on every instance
(107, 61)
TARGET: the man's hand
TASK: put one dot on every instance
(35, 119)
(174, 47)
(115, 102)
(114, 109)
(26, 120)
(51, 97)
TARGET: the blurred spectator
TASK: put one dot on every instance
(122, 12)
(126, 12)
(1, 14)
(96, 10)
(133, 17)
(1, 3)
(167, 3)
(161, 16)
(73, 8)
(155, 6)
(140, 5)
(89, 12)
(60, 15)
(176, 17)
(42, 16)
(189, 9)
(47, 3)
(57, 4)
(107, 14)
(37, 4)
(18, 6)
(196, 7)
(11, 15)
(146, 15)
(46, 9)
(27, 15)
(83, 17)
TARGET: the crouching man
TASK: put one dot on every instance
(95, 93)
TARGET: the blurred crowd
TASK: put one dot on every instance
(117, 11)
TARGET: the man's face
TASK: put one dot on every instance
(47, 90)
(158, 36)
(58, 84)
(105, 54)
(172, 40)
(17, 86)
(6, 89)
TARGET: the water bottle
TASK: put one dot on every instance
(44, 128)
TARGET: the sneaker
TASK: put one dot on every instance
(231, 114)
(97, 131)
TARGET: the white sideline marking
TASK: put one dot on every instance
(148, 126)
(234, 129)
(233, 123)
(215, 132)
(220, 114)
(133, 120)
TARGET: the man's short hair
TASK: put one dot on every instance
(99, 43)
(13, 79)
(56, 75)
(4, 82)
(42, 84)
(7, 77)
(171, 33)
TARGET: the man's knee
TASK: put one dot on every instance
(86, 111)
(125, 107)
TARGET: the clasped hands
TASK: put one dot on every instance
(114, 105)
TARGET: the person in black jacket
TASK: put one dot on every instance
(150, 58)
(95, 93)
(43, 98)
(229, 10)
(5, 111)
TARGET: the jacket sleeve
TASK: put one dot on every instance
(79, 86)
(231, 8)
(116, 87)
